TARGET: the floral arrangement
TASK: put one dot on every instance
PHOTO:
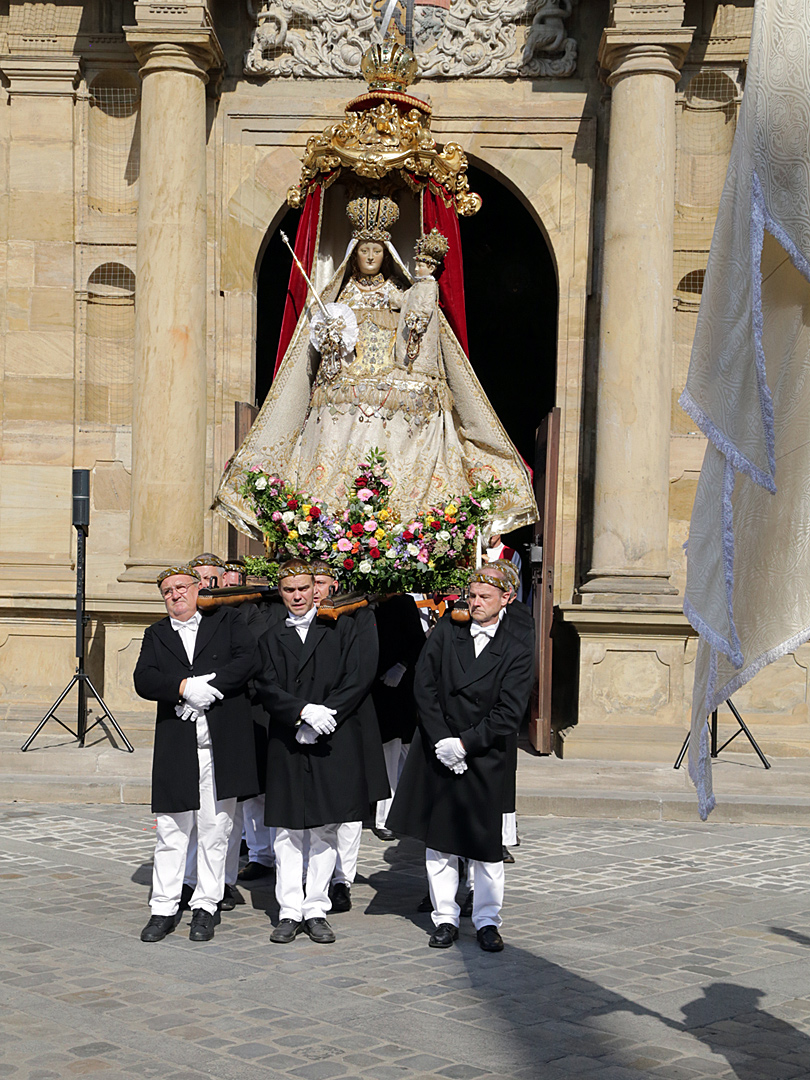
(368, 546)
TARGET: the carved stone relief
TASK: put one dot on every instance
(451, 38)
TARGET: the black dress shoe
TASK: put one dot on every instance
(319, 931)
(341, 897)
(517, 838)
(508, 857)
(383, 834)
(425, 904)
(467, 905)
(158, 927)
(443, 936)
(202, 925)
(489, 939)
(286, 931)
(186, 894)
(230, 898)
(253, 870)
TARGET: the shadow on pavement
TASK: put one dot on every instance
(755, 1043)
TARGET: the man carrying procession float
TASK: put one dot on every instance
(376, 463)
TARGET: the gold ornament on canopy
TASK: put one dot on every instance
(386, 133)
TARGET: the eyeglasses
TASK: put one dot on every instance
(176, 590)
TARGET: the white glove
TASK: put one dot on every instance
(460, 768)
(450, 752)
(393, 676)
(321, 719)
(306, 735)
(199, 694)
(185, 712)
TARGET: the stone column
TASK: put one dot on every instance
(643, 53)
(176, 52)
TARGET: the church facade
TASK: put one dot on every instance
(147, 152)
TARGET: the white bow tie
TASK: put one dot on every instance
(191, 623)
(487, 631)
(298, 620)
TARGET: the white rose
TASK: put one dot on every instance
(365, 566)
(485, 503)
(319, 545)
(303, 527)
(413, 549)
(368, 510)
(398, 530)
(261, 483)
(390, 554)
(444, 535)
(287, 516)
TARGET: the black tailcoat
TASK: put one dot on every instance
(312, 785)
(365, 625)
(481, 701)
(260, 616)
(399, 629)
(225, 646)
(520, 622)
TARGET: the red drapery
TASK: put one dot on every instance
(305, 248)
(451, 281)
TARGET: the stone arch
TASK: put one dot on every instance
(109, 345)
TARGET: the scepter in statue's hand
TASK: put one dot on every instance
(333, 329)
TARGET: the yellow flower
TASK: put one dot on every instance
(451, 510)
(380, 534)
(306, 509)
(383, 515)
(292, 535)
(431, 564)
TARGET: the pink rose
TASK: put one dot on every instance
(469, 533)
(276, 515)
(344, 544)
(423, 555)
(372, 542)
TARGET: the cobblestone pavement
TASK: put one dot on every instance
(633, 950)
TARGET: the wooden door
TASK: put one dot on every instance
(240, 545)
(546, 461)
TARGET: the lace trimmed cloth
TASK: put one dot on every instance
(748, 389)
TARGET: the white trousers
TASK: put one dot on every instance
(213, 823)
(395, 752)
(442, 873)
(349, 835)
(293, 900)
(260, 837)
(509, 829)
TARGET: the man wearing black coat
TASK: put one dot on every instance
(311, 682)
(196, 669)
(472, 686)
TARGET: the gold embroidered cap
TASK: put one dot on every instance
(321, 566)
(431, 248)
(372, 216)
(491, 575)
(206, 559)
(293, 568)
(178, 571)
(511, 571)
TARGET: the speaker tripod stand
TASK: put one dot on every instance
(742, 728)
(81, 508)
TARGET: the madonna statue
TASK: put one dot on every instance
(395, 375)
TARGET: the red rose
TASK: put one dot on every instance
(376, 491)
(436, 525)
(349, 564)
(292, 504)
(315, 512)
(361, 481)
(407, 535)
(357, 529)
(375, 553)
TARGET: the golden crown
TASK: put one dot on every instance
(432, 247)
(372, 216)
(388, 66)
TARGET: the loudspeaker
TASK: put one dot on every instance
(81, 499)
